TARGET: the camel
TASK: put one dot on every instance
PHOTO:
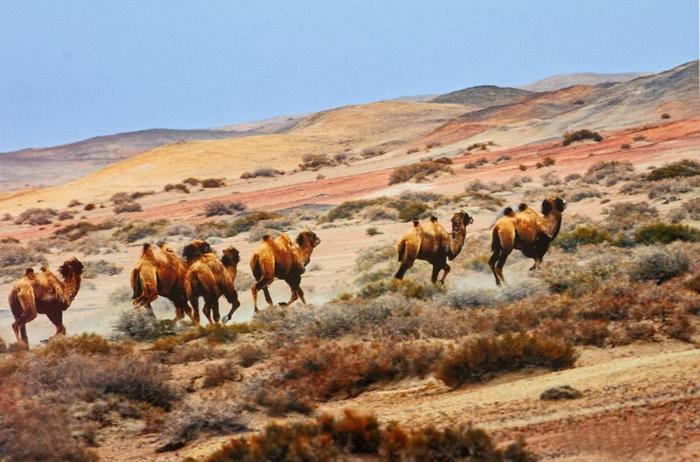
(46, 294)
(527, 231)
(210, 278)
(284, 259)
(159, 271)
(432, 243)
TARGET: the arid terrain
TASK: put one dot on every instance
(612, 312)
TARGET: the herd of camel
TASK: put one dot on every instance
(200, 273)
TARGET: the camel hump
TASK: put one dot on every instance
(508, 212)
(522, 207)
(433, 218)
(29, 272)
(415, 222)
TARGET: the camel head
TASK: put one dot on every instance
(196, 249)
(553, 203)
(308, 239)
(71, 267)
(231, 257)
(461, 220)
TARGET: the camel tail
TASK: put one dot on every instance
(495, 240)
(255, 267)
(192, 285)
(402, 250)
(136, 283)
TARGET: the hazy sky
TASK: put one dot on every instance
(74, 69)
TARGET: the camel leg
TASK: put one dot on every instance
(194, 303)
(56, 317)
(28, 314)
(406, 264)
(436, 272)
(208, 306)
(261, 285)
(215, 309)
(300, 292)
(446, 269)
(293, 283)
(233, 299)
(492, 264)
(268, 298)
(500, 263)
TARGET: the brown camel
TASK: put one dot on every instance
(432, 243)
(284, 259)
(210, 278)
(46, 294)
(527, 231)
(159, 271)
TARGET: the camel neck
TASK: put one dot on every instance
(553, 223)
(457, 242)
(71, 285)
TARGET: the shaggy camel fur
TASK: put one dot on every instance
(284, 259)
(210, 278)
(159, 271)
(432, 243)
(527, 231)
(44, 293)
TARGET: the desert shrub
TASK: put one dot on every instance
(612, 172)
(127, 207)
(659, 264)
(419, 171)
(138, 324)
(181, 187)
(582, 235)
(133, 232)
(665, 115)
(64, 215)
(579, 194)
(461, 298)
(572, 177)
(692, 208)
(580, 135)
(576, 274)
(36, 217)
(639, 138)
(74, 203)
(192, 181)
(86, 344)
(372, 231)
(480, 146)
(247, 221)
(592, 332)
(77, 230)
(250, 353)
(216, 208)
(314, 370)
(89, 207)
(433, 144)
(15, 258)
(679, 169)
(265, 172)
(120, 295)
(96, 267)
(213, 183)
(502, 158)
(478, 358)
(548, 161)
(409, 288)
(338, 438)
(190, 422)
(314, 162)
(522, 167)
(412, 150)
(662, 233)
(379, 212)
(550, 179)
(625, 146)
(412, 210)
(30, 432)
(476, 163)
(219, 373)
(627, 215)
(372, 152)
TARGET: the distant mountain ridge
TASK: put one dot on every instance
(483, 96)
(557, 82)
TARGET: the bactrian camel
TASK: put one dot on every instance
(284, 259)
(432, 243)
(527, 231)
(44, 293)
(159, 271)
(210, 277)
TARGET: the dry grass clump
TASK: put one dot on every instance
(550, 179)
(31, 432)
(354, 436)
(582, 193)
(314, 370)
(314, 162)
(177, 187)
(216, 208)
(135, 231)
(581, 135)
(127, 207)
(626, 215)
(480, 146)
(36, 216)
(481, 357)
(420, 171)
(15, 258)
(86, 344)
(662, 233)
(137, 324)
(582, 235)
(408, 207)
(679, 169)
(219, 373)
(96, 267)
(213, 183)
(192, 421)
(250, 354)
(659, 264)
(612, 172)
(264, 172)
(372, 152)
(78, 230)
(476, 163)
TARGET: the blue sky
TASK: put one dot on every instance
(74, 69)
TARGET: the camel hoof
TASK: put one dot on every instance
(225, 319)
(283, 304)
(44, 341)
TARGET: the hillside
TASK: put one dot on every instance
(483, 96)
(557, 82)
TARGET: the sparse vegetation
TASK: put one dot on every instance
(476, 163)
(36, 217)
(581, 135)
(97, 267)
(662, 233)
(265, 172)
(420, 171)
(582, 235)
(680, 169)
(480, 146)
(216, 208)
(659, 265)
(213, 183)
(177, 187)
(665, 115)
